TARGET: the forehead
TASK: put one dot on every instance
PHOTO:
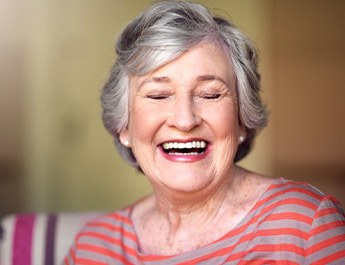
(206, 61)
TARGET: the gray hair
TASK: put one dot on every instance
(160, 35)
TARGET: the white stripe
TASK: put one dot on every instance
(6, 245)
(39, 239)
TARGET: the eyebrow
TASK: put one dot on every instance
(210, 78)
(154, 80)
(164, 79)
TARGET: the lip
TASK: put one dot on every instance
(184, 157)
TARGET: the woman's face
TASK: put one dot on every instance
(183, 127)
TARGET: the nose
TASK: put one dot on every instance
(184, 115)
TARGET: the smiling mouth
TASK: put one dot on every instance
(186, 148)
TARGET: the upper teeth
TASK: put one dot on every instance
(193, 144)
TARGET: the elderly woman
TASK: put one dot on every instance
(182, 102)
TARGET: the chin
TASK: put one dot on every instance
(187, 183)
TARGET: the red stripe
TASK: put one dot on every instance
(22, 242)
(330, 258)
(106, 238)
(66, 262)
(300, 188)
(295, 201)
(326, 227)
(70, 255)
(326, 211)
(278, 247)
(105, 252)
(73, 254)
(115, 228)
(120, 218)
(117, 217)
(110, 240)
(289, 216)
(103, 237)
(81, 261)
(326, 243)
(282, 232)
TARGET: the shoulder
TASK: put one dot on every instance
(292, 192)
(291, 198)
(101, 236)
(110, 225)
(118, 217)
(299, 221)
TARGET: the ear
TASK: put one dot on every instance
(124, 138)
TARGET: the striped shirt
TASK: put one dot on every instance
(292, 223)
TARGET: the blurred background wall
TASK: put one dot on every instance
(55, 56)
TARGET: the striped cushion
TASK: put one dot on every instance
(39, 239)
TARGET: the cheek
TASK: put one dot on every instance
(144, 122)
(223, 120)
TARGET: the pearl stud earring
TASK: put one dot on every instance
(126, 143)
(241, 138)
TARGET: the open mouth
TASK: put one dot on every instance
(186, 148)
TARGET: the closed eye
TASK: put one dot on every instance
(211, 96)
(158, 96)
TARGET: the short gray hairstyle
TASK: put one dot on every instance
(161, 34)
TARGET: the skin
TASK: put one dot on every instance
(190, 98)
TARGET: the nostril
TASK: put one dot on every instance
(184, 117)
(184, 122)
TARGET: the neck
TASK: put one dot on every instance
(185, 208)
(171, 222)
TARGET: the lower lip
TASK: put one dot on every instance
(185, 158)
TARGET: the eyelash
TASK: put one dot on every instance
(201, 95)
(158, 97)
(207, 96)
(211, 96)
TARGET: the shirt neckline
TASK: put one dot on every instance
(234, 231)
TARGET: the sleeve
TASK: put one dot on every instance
(70, 257)
(326, 243)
